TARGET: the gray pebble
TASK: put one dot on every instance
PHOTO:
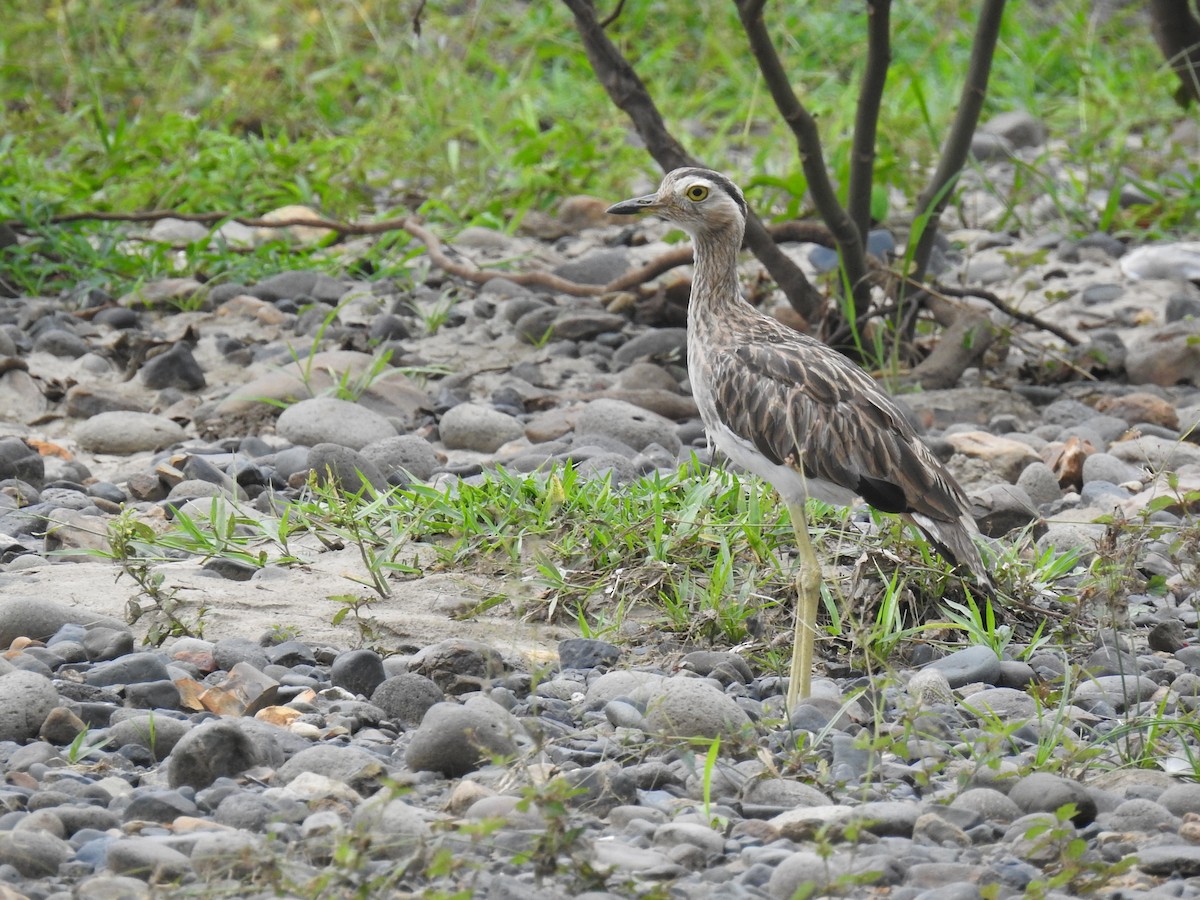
(405, 698)
(1045, 792)
(26, 699)
(474, 426)
(455, 740)
(322, 420)
(973, 664)
(225, 747)
(405, 454)
(340, 465)
(126, 432)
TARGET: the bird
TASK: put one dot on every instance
(792, 410)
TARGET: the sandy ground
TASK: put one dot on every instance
(421, 610)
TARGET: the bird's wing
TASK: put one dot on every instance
(802, 404)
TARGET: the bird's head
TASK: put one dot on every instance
(699, 201)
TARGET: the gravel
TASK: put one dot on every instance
(493, 757)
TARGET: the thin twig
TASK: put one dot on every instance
(614, 15)
(812, 157)
(1004, 307)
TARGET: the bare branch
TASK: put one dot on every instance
(614, 15)
(1000, 304)
(866, 120)
(629, 93)
(958, 144)
(808, 141)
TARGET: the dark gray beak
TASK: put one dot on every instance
(649, 203)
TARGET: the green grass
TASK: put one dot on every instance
(492, 110)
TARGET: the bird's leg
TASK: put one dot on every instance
(808, 592)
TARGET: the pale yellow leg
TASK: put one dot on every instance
(808, 594)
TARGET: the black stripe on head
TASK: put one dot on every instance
(723, 183)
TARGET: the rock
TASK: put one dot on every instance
(1005, 456)
(988, 147)
(228, 652)
(1119, 691)
(1001, 508)
(34, 854)
(1106, 467)
(147, 858)
(346, 764)
(474, 426)
(1166, 355)
(1169, 860)
(458, 666)
(358, 671)
(1005, 703)
(1156, 453)
(157, 733)
(577, 325)
(1040, 484)
(404, 454)
(233, 855)
(397, 828)
(990, 804)
(943, 408)
(405, 698)
(61, 343)
(657, 344)
(1179, 261)
(327, 420)
(1018, 127)
(1066, 460)
(219, 748)
(1139, 407)
(164, 292)
(125, 432)
(455, 740)
(693, 708)
(130, 669)
(587, 653)
(1044, 792)
(632, 426)
(298, 284)
(19, 460)
(344, 467)
(26, 699)
(967, 666)
(597, 267)
(177, 368)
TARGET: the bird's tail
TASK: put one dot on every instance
(956, 541)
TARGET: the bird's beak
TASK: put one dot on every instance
(649, 203)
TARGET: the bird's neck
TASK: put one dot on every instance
(715, 273)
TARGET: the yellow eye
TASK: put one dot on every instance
(696, 192)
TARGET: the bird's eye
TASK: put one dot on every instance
(696, 192)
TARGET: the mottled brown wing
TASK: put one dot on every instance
(795, 399)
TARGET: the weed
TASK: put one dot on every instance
(80, 749)
(132, 546)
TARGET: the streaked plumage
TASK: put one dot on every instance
(791, 410)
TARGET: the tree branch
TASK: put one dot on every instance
(808, 141)
(629, 93)
(958, 144)
(866, 120)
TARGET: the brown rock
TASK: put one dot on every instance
(246, 307)
(61, 727)
(1002, 455)
(1066, 460)
(1140, 407)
